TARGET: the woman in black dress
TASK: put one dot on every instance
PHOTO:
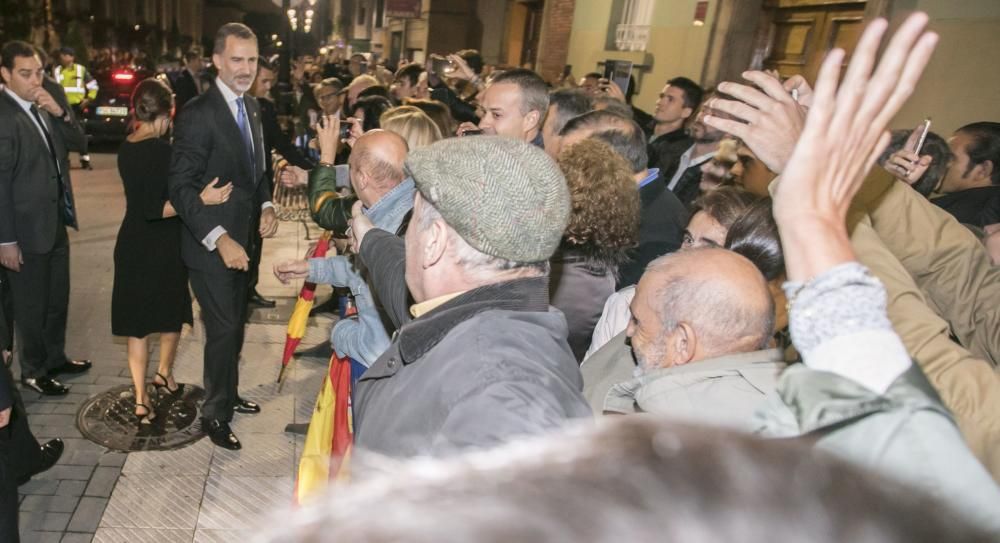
(151, 284)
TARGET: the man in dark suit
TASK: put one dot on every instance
(219, 139)
(189, 82)
(274, 140)
(36, 206)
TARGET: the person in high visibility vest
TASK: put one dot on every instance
(80, 89)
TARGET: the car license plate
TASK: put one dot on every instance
(109, 111)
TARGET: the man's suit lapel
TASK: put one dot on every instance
(227, 123)
(26, 121)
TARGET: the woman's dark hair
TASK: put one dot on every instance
(151, 99)
(755, 236)
(725, 204)
(374, 107)
(375, 90)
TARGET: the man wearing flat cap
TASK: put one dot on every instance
(480, 357)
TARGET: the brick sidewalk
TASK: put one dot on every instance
(200, 492)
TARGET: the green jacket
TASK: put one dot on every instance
(328, 208)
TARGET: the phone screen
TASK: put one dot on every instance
(618, 71)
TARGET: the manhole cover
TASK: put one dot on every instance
(109, 419)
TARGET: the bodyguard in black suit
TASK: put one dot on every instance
(188, 83)
(36, 206)
(219, 139)
(274, 140)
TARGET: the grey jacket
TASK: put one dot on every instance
(488, 365)
(722, 391)
(858, 395)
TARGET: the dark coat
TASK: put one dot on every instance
(979, 206)
(185, 89)
(275, 139)
(661, 230)
(208, 144)
(30, 198)
(479, 370)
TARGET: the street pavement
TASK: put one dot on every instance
(197, 493)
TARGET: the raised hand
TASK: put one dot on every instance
(843, 136)
(212, 195)
(768, 119)
(907, 166)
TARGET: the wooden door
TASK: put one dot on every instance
(797, 34)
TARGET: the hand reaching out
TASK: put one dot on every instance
(844, 134)
(290, 270)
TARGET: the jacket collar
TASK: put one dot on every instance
(421, 335)
(226, 120)
(390, 208)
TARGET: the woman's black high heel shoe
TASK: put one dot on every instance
(176, 393)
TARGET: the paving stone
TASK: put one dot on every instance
(142, 535)
(262, 454)
(112, 459)
(79, 473)
(33, 536)
(224, 536)
(102, 482)
(71, 488)
(43, 521)
(155, 501)
(88, 515)
(77, 538)
(242, 501)
(81, 458)
(54, 504)
(191, 460)
(65, 409)
(39, 486)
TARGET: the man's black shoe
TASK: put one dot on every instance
(85, 164)
(220, 434)
(260, 301)
(49, 455)
(71, 366)
(46, 385)
(246, 407)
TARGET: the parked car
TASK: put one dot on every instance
(107, 117)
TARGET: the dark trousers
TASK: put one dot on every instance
(6, 315)
(19, 457)
(223, 301)
(254, 252)
(40, 296)
(84, 144)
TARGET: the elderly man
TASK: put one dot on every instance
(514, 105)
(701, 323)
(485, 358)
(386, 194)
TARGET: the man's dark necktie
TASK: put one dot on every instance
(69, 215)
(243, 122)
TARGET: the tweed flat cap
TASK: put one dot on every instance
(505, 197)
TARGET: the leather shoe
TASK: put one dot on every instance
(46, 385)
(49, 455)
(246, 407)
(221, 434)
(260, 301)
(71, 366)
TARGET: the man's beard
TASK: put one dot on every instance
(649, 360)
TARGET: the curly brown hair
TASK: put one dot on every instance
(604, 222)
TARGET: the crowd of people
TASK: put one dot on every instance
(802, 304)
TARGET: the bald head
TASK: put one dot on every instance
(377, 164)
(706, 302)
